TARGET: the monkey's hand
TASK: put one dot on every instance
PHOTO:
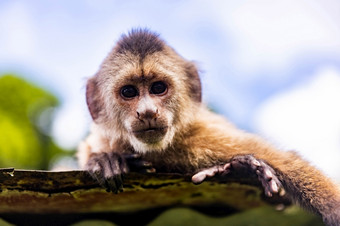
(109, 168)
(245, 165)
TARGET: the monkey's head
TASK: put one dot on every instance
(144, 92)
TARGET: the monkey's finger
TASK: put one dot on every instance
(111, 185)
(268, 174)
(267, 192)
(98, 176)
(150, 170)
(269, 187)
(274, 188)
(198, 177)
(118, 179)
(138, 165)
(114, 184)
(269, 181)
(255, 162)
(282, 192)
(210, 172)
(119, 182)
(124, 168)
(225, 170)
(131, 156)
(265, 184)
(226, 167)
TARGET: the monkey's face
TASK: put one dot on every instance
(144, 102)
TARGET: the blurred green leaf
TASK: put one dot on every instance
(26, 114)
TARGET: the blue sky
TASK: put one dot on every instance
(272, 67)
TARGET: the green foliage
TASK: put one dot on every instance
(20, 98)
(261, 216)
(26, 113)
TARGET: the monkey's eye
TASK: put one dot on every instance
(129, 91)
(158, 88)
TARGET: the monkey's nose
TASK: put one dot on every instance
(147, 115)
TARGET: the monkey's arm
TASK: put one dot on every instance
(303, 182)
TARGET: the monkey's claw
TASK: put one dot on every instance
(246, 165)
(108, 170)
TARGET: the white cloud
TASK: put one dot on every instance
(306, 118)
(273, 34)
(18, 39)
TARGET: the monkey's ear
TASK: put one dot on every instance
(194, 82)
(93, 98)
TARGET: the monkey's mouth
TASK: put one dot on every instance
(151, 129)
(151, 134)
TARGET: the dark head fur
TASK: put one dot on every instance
(140, 42)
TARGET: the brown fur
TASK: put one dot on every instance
(200, 138)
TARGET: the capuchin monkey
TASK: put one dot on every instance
(145, 101)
